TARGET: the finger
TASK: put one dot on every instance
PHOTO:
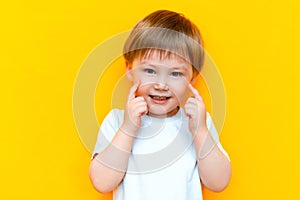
(137, 104)
(133, 89)
(189, 108)
(195, 92)
(141, 109)
(195, 104)
(187, 112)
(138, 99)
(192, 100)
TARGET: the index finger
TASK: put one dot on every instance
(133, 89)
(195, 92)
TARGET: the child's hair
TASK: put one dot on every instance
(170, 34)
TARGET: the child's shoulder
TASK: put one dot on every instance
(115, 114)
(116, 111)
(113, 118)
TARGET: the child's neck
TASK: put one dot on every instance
(169, 114)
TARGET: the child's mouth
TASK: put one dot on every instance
(159, 99)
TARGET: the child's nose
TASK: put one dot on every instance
(161, 86)
(161, 82)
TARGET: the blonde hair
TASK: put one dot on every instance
(170, 34)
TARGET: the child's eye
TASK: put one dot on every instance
(176, 74)
(149, 71)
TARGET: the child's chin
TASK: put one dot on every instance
(159, 111)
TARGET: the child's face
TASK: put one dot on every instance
(163, 82)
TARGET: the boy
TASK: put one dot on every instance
(154, 149)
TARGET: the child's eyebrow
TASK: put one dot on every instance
(182, 67)
(178, 67)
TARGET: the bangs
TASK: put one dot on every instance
(143, 43)
(161, 54)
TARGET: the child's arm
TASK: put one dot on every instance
(108, 168)
(214, 167)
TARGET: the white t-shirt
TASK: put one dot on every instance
(162, 164)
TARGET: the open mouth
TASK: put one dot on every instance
(159, 98)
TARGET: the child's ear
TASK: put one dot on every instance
(129, 71)
(194, 78)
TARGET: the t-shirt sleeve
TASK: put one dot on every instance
(108, 129)
(214, 133)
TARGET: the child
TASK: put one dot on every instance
(156, 149)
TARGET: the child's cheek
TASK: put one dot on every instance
(140, 75)
(147, 81)
(180, 84)
(180, 91)
(143, 90)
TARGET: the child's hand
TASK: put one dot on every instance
(136, 107)
(196, 111)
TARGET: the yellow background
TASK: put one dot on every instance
(255, 45)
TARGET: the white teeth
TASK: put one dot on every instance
(159, 97)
